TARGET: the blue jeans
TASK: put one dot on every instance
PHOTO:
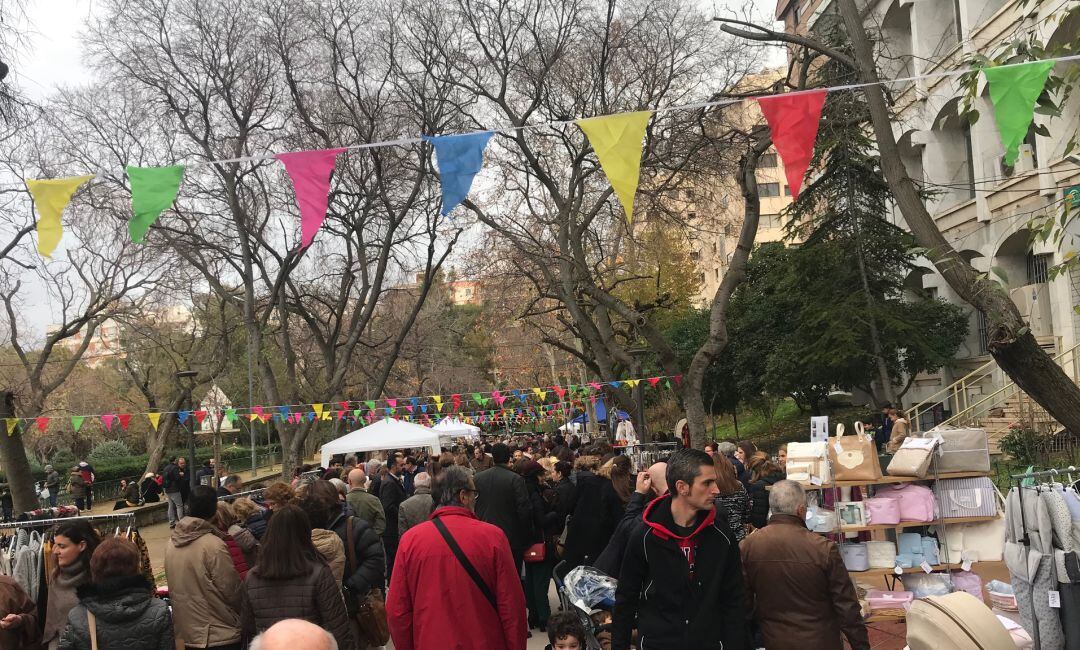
(80, 503)
(52, 498)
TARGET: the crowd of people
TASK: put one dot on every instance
(458, 551)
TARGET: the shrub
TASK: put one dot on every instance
(109, 451)
(63, 459)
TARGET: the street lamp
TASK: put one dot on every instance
(638, 353)
(181, 376)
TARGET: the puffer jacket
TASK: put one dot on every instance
(128, 617)
(332, 550)
(204, 587)
(759, 498)
(235, 552)
(313, 596)
(370, 571)
(258, 522)
(247, 543)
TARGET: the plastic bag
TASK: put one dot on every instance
(927, 584)
(589, 587)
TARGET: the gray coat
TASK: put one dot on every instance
(415, 509)
(128, 617)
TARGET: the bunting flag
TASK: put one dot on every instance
(370, 404)
(327, 415)
(153, 190)
(497, 396)
(124, 419)
(540, 394)
(521, 397)
(415, 401)
(317, 409)
(460, 158)
(155, 419)
(344, 406)
(595, 385)
(310, 173)
(793, 119)
(356, 413)
(392, 403)
(254, 416)
(438, 402)
(409, 408)
(230, 416)
(480, 399)
(1014, 90)
(678, 379)
(51, 196)
(11, 423)
(559, 390)
(183, 416)
(455, 399)
(200, 416)
(653, 381)
(618, 140)
(283, 411)
(77, 422)
(42, 423)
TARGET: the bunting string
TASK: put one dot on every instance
(617, 140)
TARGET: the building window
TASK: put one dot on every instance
(1038, 268)
(787, 190)
(984, 333)
(932, 293)
(768, 189)
(717, 271)
(770, 220)
(767, 160)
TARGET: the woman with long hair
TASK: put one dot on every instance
(292, 581)
(733, 501)
(74, 543)
(544, 524)
(763, 473)
(744, 451)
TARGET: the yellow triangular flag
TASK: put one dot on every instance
(51, 196)
(327, 415)
(318, 408)
(11, 424)
(632, 383)
(617, 140)
(253, 416)
(155, 419)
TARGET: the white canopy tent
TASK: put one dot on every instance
(384, 434)
(455, 428)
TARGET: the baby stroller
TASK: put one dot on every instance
(590, 594)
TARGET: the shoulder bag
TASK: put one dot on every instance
(371, 608)
(465, 563)
(91, 622)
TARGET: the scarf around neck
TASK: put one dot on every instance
(62, 597)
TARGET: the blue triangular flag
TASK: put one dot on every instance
(460, 158)
(283, 411)
(183, 416)
(615, 384)
(423, 408)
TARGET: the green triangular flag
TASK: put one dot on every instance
(76, 422)
(356, 413)
(153, 190)
(230, 415)
(370, 404)
(1013, 91)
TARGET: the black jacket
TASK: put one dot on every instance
(258, 522)
(503, 501)
(590, 531)
(391, 493)
(672, 607)
(759, 498)
(172, 478)
(371, 563)
(610, 561)
(128, 617)
(151, 491)
(564, 501)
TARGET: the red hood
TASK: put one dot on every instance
(657, 515)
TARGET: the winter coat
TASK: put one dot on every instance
(368, 507)
(370, 558)
(612, 506)
(204, 587)
(564, 501)
(313, 596)
(759, 498)
(331, 549)
(77, 485)
(798, 589)
(682, 591)
(736, 509)
(236, 553)
(14, 600)
(172, 478)
(128, 617)
(415, 509)
(257, 523)
(151, 491)
(392, 494)
(482, 464)
(132, 494)
(610, 561)
(502, 501)
(249, 546)
(590, 531)
(432, 601)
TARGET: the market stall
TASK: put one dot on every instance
(384, 434)
(455, 428)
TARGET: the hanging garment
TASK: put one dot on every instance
(28, 564)
(1031, 566)
(144, 558)
(1065, 556)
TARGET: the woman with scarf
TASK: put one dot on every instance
(73, 545)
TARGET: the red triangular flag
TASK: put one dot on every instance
(124, 419)
(793, 119)
(200, 416)
(344, 406)
(42, 423)
(653, 381)
(310, 173)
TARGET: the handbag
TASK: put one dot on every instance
(371, 609)
(913, 458)
(961, 450)
(853, 458)
(91, 622)
(808, 461)
(536, 553)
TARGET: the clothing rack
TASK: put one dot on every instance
(39, 523)
(245, 493)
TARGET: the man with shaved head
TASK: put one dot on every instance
(294, 634)
(651, 484)
(365, 504)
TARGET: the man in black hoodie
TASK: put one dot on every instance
(681, 582)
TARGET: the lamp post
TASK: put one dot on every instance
(187, 379)
(639, 391)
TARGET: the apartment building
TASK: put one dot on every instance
(982, 207)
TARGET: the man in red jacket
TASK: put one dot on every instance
(455, 585)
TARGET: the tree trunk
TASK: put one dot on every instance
(16, 466)
(1011, 342)
(718, 334)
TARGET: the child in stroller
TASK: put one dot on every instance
(589, 595)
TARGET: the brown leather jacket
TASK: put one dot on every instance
(800, 592)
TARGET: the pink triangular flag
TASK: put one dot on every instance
(107, 420)
(310, 173)
(392, 402)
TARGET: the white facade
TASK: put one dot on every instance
(982, 208)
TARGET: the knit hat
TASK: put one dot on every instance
(84, 464)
